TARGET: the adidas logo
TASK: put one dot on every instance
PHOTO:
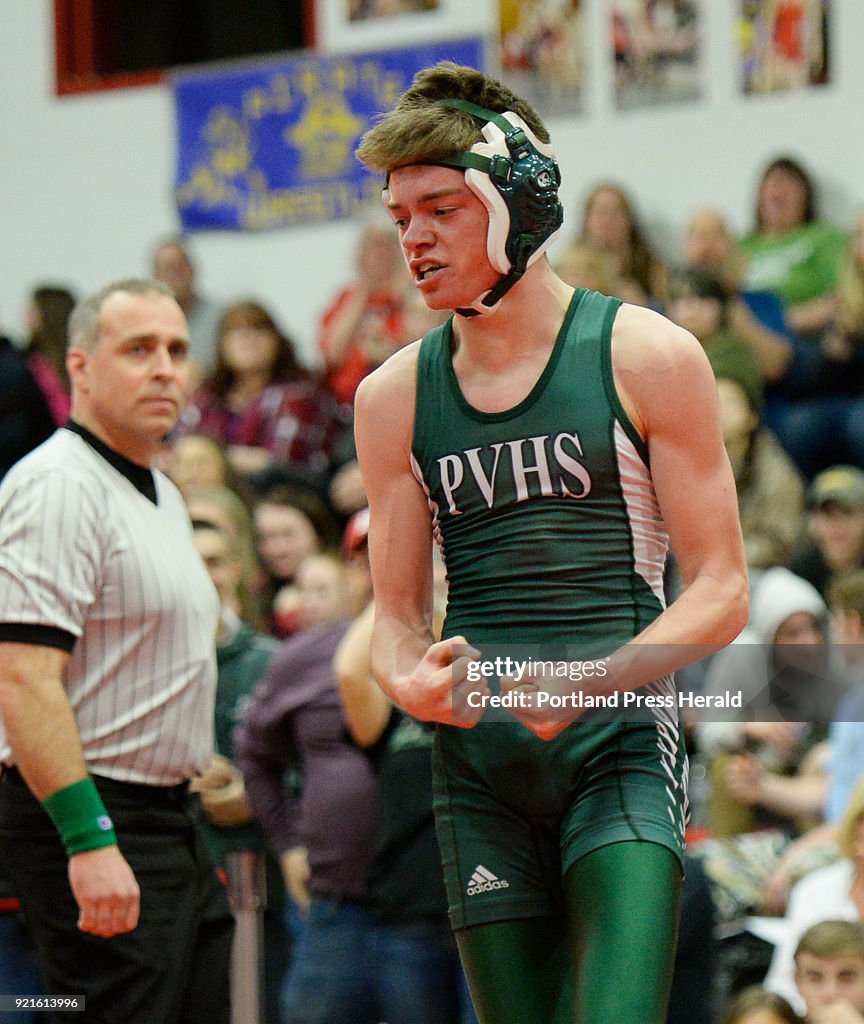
(482, 880)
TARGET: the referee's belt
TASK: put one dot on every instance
(175, 795)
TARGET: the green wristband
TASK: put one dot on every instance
(80, 817)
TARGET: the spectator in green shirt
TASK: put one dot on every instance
(791, 251)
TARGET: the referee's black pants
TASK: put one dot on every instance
(174, 967)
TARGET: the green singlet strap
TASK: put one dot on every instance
(481, 113)
(513, 133)
(474, 160)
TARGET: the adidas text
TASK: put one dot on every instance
(482, 880)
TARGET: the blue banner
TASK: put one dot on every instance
(271, 145)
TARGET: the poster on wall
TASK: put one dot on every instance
(346, 26)
(359, 10)
(656, 50)
(542, 52)
(272, 144)
(783, 44)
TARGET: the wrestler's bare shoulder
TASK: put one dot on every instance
(389, 391)
(397, 372)
(658, 367)
(643, 339)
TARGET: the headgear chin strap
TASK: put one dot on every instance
(516, 177)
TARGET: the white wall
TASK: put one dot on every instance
(85, 181)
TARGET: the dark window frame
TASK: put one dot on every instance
(76, 33)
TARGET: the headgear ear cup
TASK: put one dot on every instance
(516, 177)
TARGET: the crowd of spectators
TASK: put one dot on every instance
(264, 458)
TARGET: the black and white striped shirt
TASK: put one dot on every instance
(96, 558)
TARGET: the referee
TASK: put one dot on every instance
(107, 684)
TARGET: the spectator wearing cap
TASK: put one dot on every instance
(835, 527)
(355, 555)
(355, 536)
(770, 488)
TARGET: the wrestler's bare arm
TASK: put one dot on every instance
(667, 387)
(415, 672)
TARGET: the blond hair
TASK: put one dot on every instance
(418, 131)
(754, 998)
(829, 939)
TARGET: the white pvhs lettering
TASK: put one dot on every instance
(505, 472)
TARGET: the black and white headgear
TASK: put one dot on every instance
(516, 177)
